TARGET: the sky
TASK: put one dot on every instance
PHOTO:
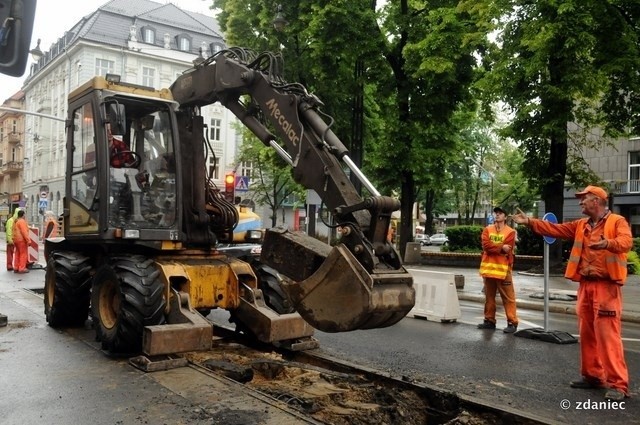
(54, 17)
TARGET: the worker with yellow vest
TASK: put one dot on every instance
(9, 234)
(498, 246)
(598, 260)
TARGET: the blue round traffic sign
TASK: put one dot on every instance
(551, 218)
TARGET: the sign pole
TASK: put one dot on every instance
(544, 334)
(546, 287)
(548, 240)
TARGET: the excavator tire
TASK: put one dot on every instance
(269, 283)
(127, 295)
(67, 289)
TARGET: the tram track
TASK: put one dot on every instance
(316, 388)
(334, 391)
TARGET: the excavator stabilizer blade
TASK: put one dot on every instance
(340, 295)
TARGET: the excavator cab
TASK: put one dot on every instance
(122, 180)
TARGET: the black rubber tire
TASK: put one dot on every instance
(127, 295)
(269, 284)
(67, 289)
(204, 312)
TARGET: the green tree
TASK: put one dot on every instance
(409, 68)
(559, 62)
(429, 49)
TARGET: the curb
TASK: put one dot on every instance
(627, 316)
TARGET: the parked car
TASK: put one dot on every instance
(438, 239)
(423, 239)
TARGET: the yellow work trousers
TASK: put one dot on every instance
(508, 296)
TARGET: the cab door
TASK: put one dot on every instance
(83, 179)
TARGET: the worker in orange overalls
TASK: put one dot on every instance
(498, 245)
(21, 241)
(599, 262)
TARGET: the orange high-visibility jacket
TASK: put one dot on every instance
(616, 263)
(21, 231)
(495, 263)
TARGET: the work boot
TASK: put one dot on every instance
(487, 325)
(614, 394)
(511, 328)
(3, 320)
(586, 384)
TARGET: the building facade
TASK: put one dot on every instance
(618, 165)
(11, 154)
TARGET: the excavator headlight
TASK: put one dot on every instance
(131, 234)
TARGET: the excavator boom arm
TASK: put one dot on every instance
(366, 263)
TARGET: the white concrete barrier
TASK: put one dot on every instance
(436, 296)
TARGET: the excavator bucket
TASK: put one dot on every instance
(339, 295)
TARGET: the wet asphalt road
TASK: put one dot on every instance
(499, 369)
(503, 370)
(54, 377)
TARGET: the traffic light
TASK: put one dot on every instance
(230, 186)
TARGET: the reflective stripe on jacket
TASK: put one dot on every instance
(495, 263)
(616, 263)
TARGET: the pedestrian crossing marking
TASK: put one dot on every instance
(242, 183)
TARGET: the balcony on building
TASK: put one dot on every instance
(626, 186)
(12, 167)
(44, 105)
(14, 137)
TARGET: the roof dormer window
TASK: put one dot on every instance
(148, 35)
(184, 42)
(215, 47)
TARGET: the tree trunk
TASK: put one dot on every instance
(406, 210)
(357, 122)
(429, 202)
(553, 191)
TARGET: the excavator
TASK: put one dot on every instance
(142, 226)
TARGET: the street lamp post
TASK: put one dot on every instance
(36, 52)
(279, 22)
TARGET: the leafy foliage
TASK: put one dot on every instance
(633, 262)
(529, 243)
(410, 66)
(554, 63)
(464, 238)
(429, 50)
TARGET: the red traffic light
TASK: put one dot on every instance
(229, 179)
(230, 186)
